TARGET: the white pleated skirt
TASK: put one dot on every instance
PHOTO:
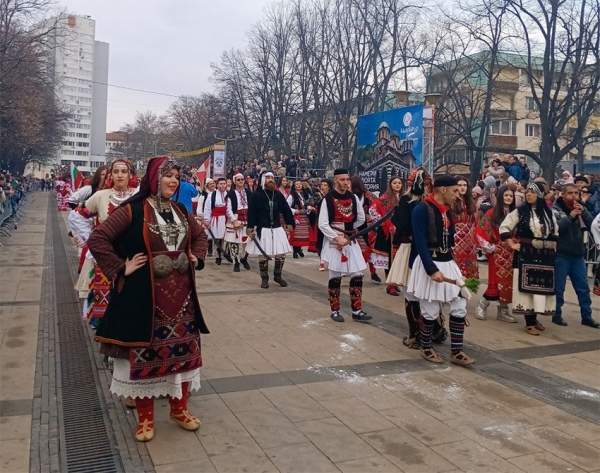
(523, 302)
(354, 260)
(235, 236)
(399, 270)
(169, 385)
(421, 286)
(273, 240)
(217, 226)
(82, 285)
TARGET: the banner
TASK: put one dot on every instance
(219, 163)
(389, 144)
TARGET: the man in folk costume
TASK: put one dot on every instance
(435, 277)
(340, 214)
(209, 188)
(237, 219)
(215, 216)
(266, 211)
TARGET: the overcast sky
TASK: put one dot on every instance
(164, 45)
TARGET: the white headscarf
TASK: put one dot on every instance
(263, 176)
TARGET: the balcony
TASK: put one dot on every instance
(505, 141)
(506, 86)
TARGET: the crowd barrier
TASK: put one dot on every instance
(10, 212)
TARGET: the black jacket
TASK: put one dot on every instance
(570, 231)
(260, 215)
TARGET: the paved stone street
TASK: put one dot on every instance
(286, 389)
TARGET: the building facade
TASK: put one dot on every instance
(515, 118)
(80, 67)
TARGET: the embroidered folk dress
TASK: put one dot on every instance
(161, 350)
(500, 261)
(528, 302)
(101, 204)
(465, 244)
(300, 235)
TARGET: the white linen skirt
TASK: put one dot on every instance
(523, 302)
(233, 235)
(399, 270)
(332, 257)
(217, 226)
(421, 286)
(169, 385)
(273, 240)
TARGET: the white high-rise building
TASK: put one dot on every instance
(80, 66)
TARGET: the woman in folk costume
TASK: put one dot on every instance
(237, 219)
(80, 225)
(435, 278)
(63, 191)
(383, 251)
(120, 185)
(532, 232)
(499, 255)
(464, 218)
(300, 235)
(366, 241)
(215, 217)
(148, 248)
(267, 211)
(340, 215)
(418, 185)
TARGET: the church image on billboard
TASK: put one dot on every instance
(389, 144)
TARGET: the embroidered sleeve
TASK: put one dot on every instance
(229, 212)
(360, 214)
(486, 236)
(101, 242)
(199, 245)
(420, 224)
(509, 224)
(92, 203)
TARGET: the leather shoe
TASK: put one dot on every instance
(590, 323)
(337, 317)
(361, 316)
(559, 321)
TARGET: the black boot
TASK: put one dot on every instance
(277, 272)
(210, 248)
(263, 266)
(295, 254)
(245, 263)
(300, 252)
(236, 267)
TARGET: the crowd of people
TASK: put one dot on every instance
(141, 242)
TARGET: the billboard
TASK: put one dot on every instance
(388, 144)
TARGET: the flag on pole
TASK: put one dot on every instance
(203, 171)
(76, 177)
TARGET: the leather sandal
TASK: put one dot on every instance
(431, 355)
(185, 420)
(532, 330)
(539, 326)
(462, 359)
(411, 343)
(145, 431)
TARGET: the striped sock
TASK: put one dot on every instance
(426, 330)
(457, 331)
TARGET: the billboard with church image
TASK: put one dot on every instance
(388, 144)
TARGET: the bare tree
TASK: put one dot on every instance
(561, 60)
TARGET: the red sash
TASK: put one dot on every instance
(219, 211)
(242, 215)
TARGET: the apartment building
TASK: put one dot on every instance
(80, 67)
(515, 119)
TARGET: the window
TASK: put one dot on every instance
(81, 153)
(81, 144)
(531, 105)
(504, 127)
(532, 129)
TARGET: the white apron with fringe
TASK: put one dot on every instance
(421, 286)
(399, 270)
(273, 240)
(332, 257)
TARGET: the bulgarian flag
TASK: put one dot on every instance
(76, 177)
